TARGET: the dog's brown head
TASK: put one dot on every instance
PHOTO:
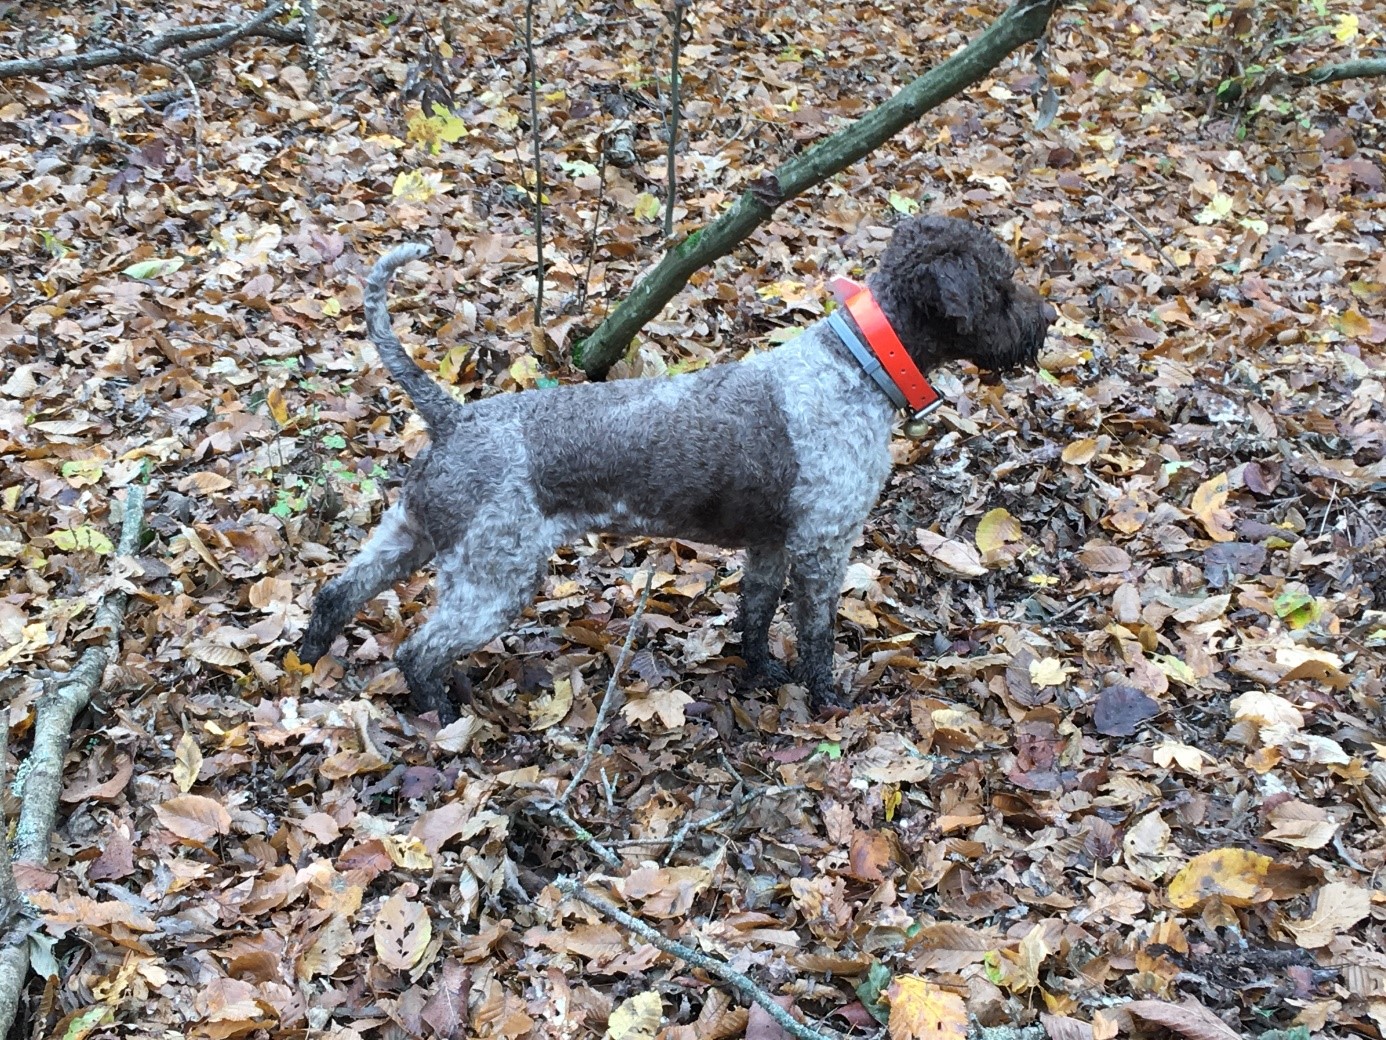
(947, 287)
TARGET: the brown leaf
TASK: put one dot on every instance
(1189, 1019)
(194, 817)
(446, 1010)
(1120, 710)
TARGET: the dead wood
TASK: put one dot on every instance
(213, 37)
(39, 779)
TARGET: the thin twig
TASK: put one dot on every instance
(589, 839)
(734, 978)
(584, 288)
(199, 124)
(538, 167)
(605, 709)
(711, 820)
(1170, 265)
(671, 186)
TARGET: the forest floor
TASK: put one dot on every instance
(1116, 761)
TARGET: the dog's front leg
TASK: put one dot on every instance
(396, 550)
(762, 581)
(816, 578)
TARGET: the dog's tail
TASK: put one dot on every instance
(434, 403)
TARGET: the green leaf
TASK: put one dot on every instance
(869, 991)
(149, 269)
(903, 204)
(52, 245)
(830, 748)
(84, 537)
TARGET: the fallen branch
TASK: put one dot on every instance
(734, 978)
(1362, 68)
(1023, 21)
(39, 779)
(217, 36)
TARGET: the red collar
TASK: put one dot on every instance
(919, 395)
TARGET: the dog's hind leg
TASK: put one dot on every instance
(396, 550)
(762, 581)
(473, 608)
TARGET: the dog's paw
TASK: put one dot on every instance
(434, 696)
(316, 643)
(769, 674)
(823, 692)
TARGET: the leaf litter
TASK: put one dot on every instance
(1114, 630)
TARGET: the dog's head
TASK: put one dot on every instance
(946, 285)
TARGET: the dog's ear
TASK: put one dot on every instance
(961, 294)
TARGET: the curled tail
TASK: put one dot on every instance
(434, 403)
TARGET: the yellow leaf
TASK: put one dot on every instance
(551, 709)
(637, 1018)
(279, 410)
(1346, 29)
(402, 930)
(1353, 324)
(331, 307)
(1236, 876)
(891, 800)
(1207, 506)
(148, 269)
(1049, 672)
(408, 853)
(525, 370)
(997, 528)
(1219, 206)
(646, 206)
(418, 186)
(784, 289)
(920, 1009)
(1080, 452)
(187, 762)
(431, 132)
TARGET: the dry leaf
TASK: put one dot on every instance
(920, 1010)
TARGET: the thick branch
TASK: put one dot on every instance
(1360, 69)
(39, 779)
(1023, 21)
(219, 34)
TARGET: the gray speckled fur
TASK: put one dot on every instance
(783, 454)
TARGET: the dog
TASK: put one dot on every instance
(783, 454)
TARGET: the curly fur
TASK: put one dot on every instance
(782, 454)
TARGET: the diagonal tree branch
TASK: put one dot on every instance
(217, 36)
(1023, 21)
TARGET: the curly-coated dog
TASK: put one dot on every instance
(783, 453)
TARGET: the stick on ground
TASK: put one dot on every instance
(734, 978)
(40, 776)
